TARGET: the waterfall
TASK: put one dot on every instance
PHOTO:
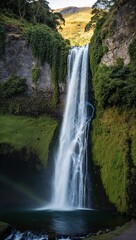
(70, 188)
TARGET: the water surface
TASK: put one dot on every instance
(76, 222)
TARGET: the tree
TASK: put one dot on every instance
(35, 11)
(9, 5)
(99, 9)
(22, 8)
(103, 4)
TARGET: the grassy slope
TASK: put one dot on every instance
(74, 27)
(110, 151)
(35, 134)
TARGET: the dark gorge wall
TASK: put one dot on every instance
(113, 135)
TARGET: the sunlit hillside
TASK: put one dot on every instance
(75, 22)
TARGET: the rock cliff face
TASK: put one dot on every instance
(19, 60)
(124, 26)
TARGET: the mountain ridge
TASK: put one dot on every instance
(71, 9)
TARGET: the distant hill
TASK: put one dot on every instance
(75, 22)
(71, 10)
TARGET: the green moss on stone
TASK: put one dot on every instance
(33, 133)
(110, 150)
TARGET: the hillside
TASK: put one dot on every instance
(75, 22)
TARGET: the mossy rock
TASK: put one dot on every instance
(113, 139)
(31, 133)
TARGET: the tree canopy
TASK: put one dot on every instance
(35, 11)
(103, 4)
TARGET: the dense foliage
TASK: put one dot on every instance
(49, 46)
(96, 48)
(34, 11)
(13, 86)
(116, 86)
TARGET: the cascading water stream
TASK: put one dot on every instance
(70, 188)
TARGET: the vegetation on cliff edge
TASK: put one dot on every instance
(32, 11)
(49, 46)
(12, 87)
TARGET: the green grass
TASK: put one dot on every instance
(110, 150)
(32, 133)
(109, 236)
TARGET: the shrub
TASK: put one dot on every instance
(13, 86)
(116, 86)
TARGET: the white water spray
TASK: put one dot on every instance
(71, 165)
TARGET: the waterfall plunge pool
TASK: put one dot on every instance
(72, 224)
